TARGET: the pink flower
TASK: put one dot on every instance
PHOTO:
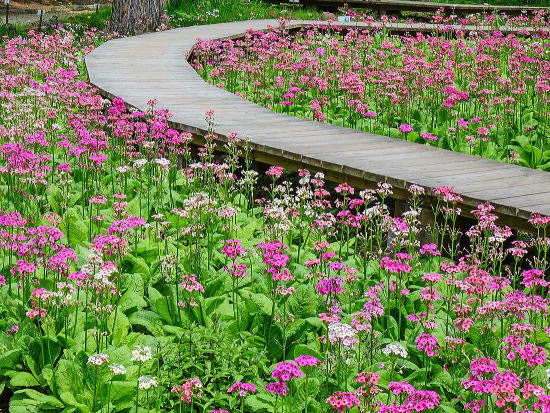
(340, 401)
(430, 249)
(189, 283)
(331, 285)
(344, 188)
(237, 270)
(275, 171)
(427, 344)
(278, 388)
(483, 131)
(186, 391)
(429, 136)
(307, 361)
(286, 370)
(232, 248)
(406, 128)
(242, 389)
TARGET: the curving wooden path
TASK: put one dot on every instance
(384, 6)
(155, 66)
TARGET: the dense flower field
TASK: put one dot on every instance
(137, 278)
(485, 94)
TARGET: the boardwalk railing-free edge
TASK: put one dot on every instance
(154, 66)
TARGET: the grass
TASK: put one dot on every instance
(81, 22)
(191, 12)
(93, 19)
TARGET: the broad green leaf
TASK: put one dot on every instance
(30, 400)
(9, 359)
(150, 321)
(306, 350)
(121, 325)
(23, 379)
(133, 296)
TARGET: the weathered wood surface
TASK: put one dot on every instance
(418, 6)
(155, 66)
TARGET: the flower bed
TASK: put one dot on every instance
(485, 94)
(129, 284)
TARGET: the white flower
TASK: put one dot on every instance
(123, 169)
(98, 359)
(142, 353)
(163, 163)
(147, 382)
(344, 333)
(396, 349)
(140, 163)
(117, 369)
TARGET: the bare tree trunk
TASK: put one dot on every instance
(136, 16)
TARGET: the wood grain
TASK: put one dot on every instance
(153, 66)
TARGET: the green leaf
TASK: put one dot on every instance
(121, 326)
(260, 403)
(148, 320)
(138, 265)
(68, 377)
(23, 379)
(211, 304)
(159, 304)
(133, 296)
(443, 379)
(306, 350)
(122, 391)
(257, 302)
(304, 302)
(75, 227)
(447, 408)
(393, 328)
(52, 194)
(69, 399)
(9, 359)
(30, 400)
(308, 388)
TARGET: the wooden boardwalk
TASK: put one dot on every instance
(384, 6)
(155, 66)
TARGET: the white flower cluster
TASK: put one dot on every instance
(123, 169)
(342, 333)
(147, 382)
(249, 177)
(98, 359)
(117, 369)
(140, 163)
(142, 354)
(163, 163)
(396, 349)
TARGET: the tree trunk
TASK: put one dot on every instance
(136, 16)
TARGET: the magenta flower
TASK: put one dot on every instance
(331, 285)
(278, 388)
(405, 128)
(286, 370)
(427, 344)
(242, 389)
(232, 248)
(340, 401)
(237, 270)
(306, 360)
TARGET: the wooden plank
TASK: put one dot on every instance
(136, 69)
(424, 6)
(501, 184)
